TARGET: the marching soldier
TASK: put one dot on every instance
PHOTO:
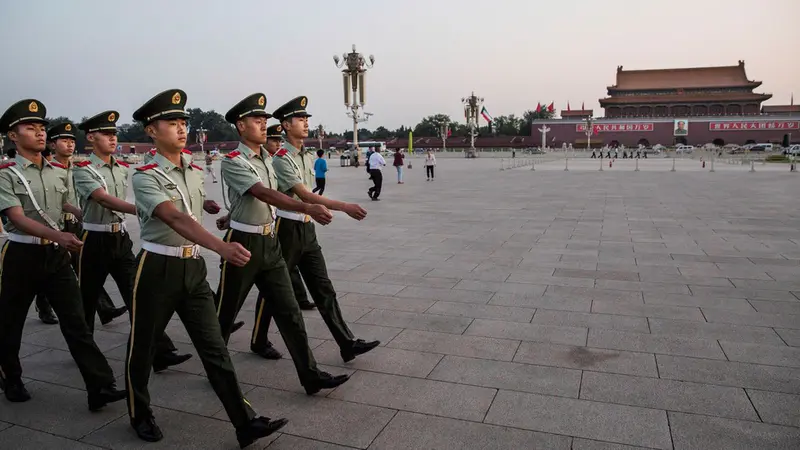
(171, 274)
(61, 139)
(33, 194)
(295, 174)
(101, 185)
(250, 180)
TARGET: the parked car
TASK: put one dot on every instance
(684, 148)
(794, 150)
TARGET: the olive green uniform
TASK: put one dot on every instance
(72, 225)
(37, 265)
(165, 284)
(299, 244)
(252, 223)
(108, 252)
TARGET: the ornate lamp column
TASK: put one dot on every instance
(472, 108)
(353, 80)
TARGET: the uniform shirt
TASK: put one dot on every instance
(86, 182)
(293, 168)
(239, 177)
(49, 187)
(72, 197)
(151, 189)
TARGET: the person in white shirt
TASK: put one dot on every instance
(375, 162)
(430, 163)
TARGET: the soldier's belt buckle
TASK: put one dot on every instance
(266, 229)
(306, 218)
(115, 227)
(187, 252)
(46, 241)
(69, 216)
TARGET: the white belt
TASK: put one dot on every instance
(252, 229)
(300, 217)
(106, 227)
(25, 239)
(182, 252)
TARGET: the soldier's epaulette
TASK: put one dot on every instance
(281, 152)
(123, 164)
(152, 152)
(58, 164)
(83, 163)
(196, 166)
(233, 154)
(147, 167)
(186, 151)
(8, 164)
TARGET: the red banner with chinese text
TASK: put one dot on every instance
(615, 127)
(762, 125)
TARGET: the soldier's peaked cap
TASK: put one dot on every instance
(295, 107)
(62, 130)
(24, 111)
(164, 106)
(105, 121)
(252, 106)
(275, 132)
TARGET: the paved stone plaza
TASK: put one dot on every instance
(517, 310)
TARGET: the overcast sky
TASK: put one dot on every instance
(81, 57)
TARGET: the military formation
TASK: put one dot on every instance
(67, 233)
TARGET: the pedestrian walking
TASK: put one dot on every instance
(320, 168)
(375, 163)
(398, 164)
(209, 166)
(430, 163)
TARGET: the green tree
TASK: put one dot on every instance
(431, 126)
(132, 132)
(401, 132)
(507, 125)
(381, 133)
(218, 128)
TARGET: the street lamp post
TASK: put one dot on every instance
(320, 135)
(353, 81)
(472, 107)
(201, 138)
(444, 130)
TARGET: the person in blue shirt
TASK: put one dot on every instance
(320, 167)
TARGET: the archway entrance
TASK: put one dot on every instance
(718, 142)
(614, 144)
(681, 140)
(644, 143)
(749, 141)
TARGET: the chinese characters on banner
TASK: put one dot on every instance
(741, 126)
(614, 127)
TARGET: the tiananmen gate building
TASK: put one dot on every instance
(695, 106)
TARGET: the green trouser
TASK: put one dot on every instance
(26, 269)
(105, 254)
(298, 286)
(165, 285)
(104, 302)
(301, 249)
(267, 270)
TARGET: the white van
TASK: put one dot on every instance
(766, 147)
(683, 148)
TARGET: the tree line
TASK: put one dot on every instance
(218, 130)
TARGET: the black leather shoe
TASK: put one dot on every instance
(163, 362)
(258, 428)
(107, 317)
(358, 347)
(237, 326)
(325, 381)
(104, 396)
(46, 315)
(307, 306)
(269, 352)
(147, 429)
(15, 391)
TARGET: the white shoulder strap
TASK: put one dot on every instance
(271, 208)
(105, 186)
(180, 192)
(39, 210)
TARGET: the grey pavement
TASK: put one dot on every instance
(517, 309)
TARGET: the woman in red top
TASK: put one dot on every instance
(398, 164)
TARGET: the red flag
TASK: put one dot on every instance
(568, 107)
(538, 107)
(583, 108)
(449, 132)
(551, 108)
